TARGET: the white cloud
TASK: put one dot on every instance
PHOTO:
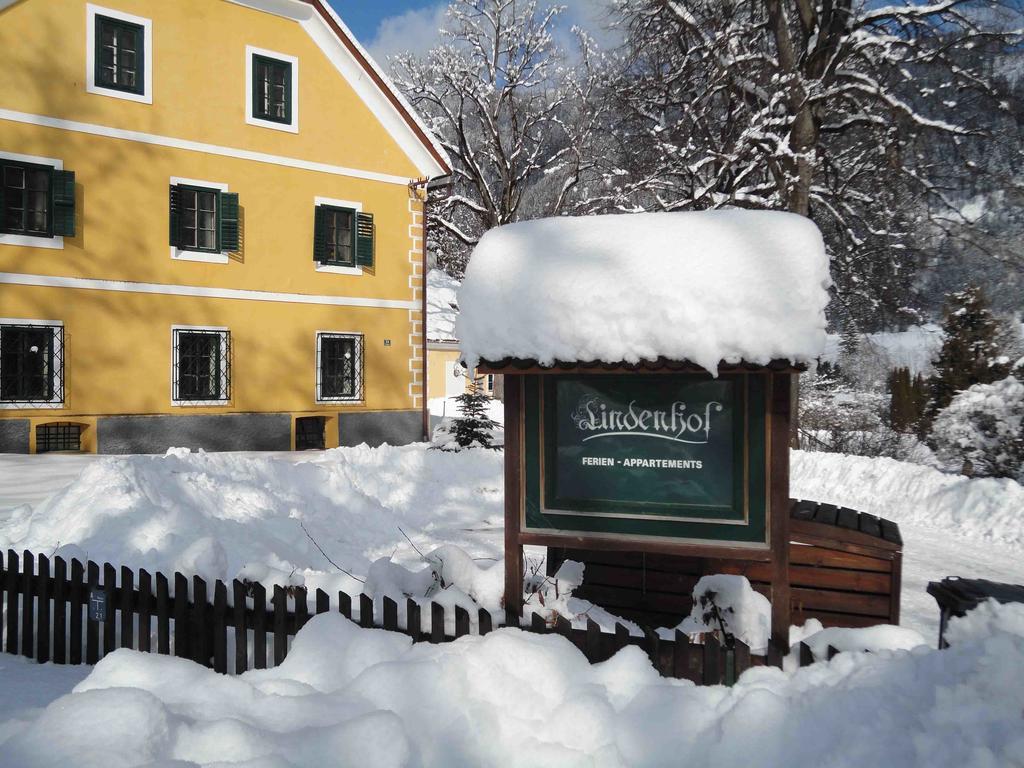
(417, 30)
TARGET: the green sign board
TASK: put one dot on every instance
(681, 456)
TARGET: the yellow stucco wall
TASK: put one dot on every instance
(118, 344)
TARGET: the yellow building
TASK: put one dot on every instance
(210, 230)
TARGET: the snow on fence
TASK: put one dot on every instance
(79, 614)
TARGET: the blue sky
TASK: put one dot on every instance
(387, 27)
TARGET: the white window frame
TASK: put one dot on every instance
(361, 372)
(225, 365)
(293, 126)
(183, 254)
(33, 241)
(58, 367)
(332, 269)
(91, 12)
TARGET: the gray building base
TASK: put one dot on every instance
(392, 427)
(227, 432)
(14, 436)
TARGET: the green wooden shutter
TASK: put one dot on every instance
(228, 236)
(319, 235)
(63, 189)
(364, 239)
(175, 205)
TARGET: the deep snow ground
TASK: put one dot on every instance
(155, 512)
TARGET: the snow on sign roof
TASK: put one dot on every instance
(703, 287)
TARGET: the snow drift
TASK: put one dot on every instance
(700, 286)
(347, 696)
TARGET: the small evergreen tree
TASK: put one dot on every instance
(970, 352)
(473, 426)
(908, 400)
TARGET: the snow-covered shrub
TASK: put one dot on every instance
(981, 431)
(728, 605)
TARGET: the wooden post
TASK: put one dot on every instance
(513, 502)
(780, 390)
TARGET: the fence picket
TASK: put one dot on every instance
(75, 613)
(110, 623)
(127, 608)
(200, 623)
(461, 621)
(365, 610)
(259, 626)
(622, 637)
(345, 604)
(181, 649)
(163, 615)
(537, 623)
(413, 620)
(43, 611)
(220, 627)
(60, 627)
(92, 627)
(592, 642)
(13, 571)
(712, 660)
(323, 602)
(484, 621)
(742, 654)
(806, 655)
(301, 608)
(27, 605)
(436, 622)
(280, 633)
(241, 631)
(145, 610)
(390, 611)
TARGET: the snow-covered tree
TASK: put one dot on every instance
(514, 111)
(981, 432)
(472, 428)
(822, 108)
(971, 351)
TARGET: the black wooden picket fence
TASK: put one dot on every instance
(79, 614)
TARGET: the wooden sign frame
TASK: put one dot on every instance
(778, 381)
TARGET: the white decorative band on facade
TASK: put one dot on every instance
(124, 286)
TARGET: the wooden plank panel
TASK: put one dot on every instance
(436, 623)
(461, 621)
(43, 611)
(870, 525)
(616, 597)
(840, 579)
(841, 602)
(365, 610)
(345, 604)
(75, 612)
(323, 602)
(827, 514)
(413, 620)
(803, 509)
(181, 629)
(636, 578)
(484, 621)
(891, 532)
(390, 610)
(834, 537)
(301, 608)
(831, 558)
(280, 628)
(847, 518)
(831, 619)
(60, 626)
(201, 651)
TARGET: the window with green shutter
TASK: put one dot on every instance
(203, 219)
(343, 237)
(271, 89)
(119, 55)
(36, 200)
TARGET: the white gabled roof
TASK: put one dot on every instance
(702, 287)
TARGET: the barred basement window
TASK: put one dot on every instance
(31, 366)
(309, 433)
(339, 367)
(59, 436)
(201, 366)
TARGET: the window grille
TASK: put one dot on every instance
(309, 433)
(339, 367)
(202, 364)
(59, 436)
(32, 366)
